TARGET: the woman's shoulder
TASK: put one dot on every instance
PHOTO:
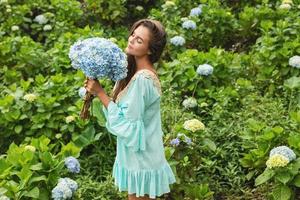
(150, 76)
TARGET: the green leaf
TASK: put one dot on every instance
(282, 192)
(37, 179)
(70, 150)
(283, 177)
(85, 138)
(211, 145)
(264, 177)
(18, 129)
(292, 83)
(97, 111)
(34, 193)
(296, 181)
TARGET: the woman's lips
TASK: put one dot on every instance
(129, 46)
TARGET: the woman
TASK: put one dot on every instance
(133, 115)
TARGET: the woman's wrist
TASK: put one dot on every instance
(105, 99)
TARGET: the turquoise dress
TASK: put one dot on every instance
(140, 166)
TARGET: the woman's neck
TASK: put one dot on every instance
(143, 63)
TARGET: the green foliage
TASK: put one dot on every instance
(248, 105)
(32, 169)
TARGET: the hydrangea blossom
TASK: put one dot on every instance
(15, 28)
(82, 92)
(284, 151)
(190, 102)
(277, 161)
(175, 142)
(3, 197)
(61, 191)
(72, 164)
(98, 58)
(285, 6)
(41, 19)
(69, 182)
(196, 11)
(205, 69)
(70, 119)
(189, 24)
(30, 97)
(295, 61)
(47, 27)
(64, 189)
(177, 40)
(193, 125)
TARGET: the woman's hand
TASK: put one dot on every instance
(93, 86)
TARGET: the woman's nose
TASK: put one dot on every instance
(131, 40)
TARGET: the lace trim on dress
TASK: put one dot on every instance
(148, 74)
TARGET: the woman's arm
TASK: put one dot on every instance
(94, 87)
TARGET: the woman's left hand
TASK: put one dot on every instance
(93, 86)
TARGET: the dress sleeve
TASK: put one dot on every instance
(125, 119)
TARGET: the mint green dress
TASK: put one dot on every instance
(140, 166)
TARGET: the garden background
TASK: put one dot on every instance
(249, 104)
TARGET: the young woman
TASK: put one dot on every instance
(133, 115)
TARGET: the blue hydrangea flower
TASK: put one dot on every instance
(61, 191)
(196, 11)
(64, 189)
(98, 58)
(189, 24)
(177, 40)
(205, 69)
(284, 151)
(82, 92)
(295, 61)
(175, 142)
(69, 182)
(72, 164)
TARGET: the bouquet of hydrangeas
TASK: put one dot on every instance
(98, 58)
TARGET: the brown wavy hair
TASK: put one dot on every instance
(157, 43)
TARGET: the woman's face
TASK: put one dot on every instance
(138, 42)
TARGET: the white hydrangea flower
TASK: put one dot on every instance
(30, 148)
(295, 61)
(41, 19)
(177, 40)
(193, 125)
(47, 27)
(190, 102)
(205, 69)
(285, 6)
(15, 28)
(196, 11)
(30, 97)
(139, 8)
(70, 118)
(8, 10)
(189, 24)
